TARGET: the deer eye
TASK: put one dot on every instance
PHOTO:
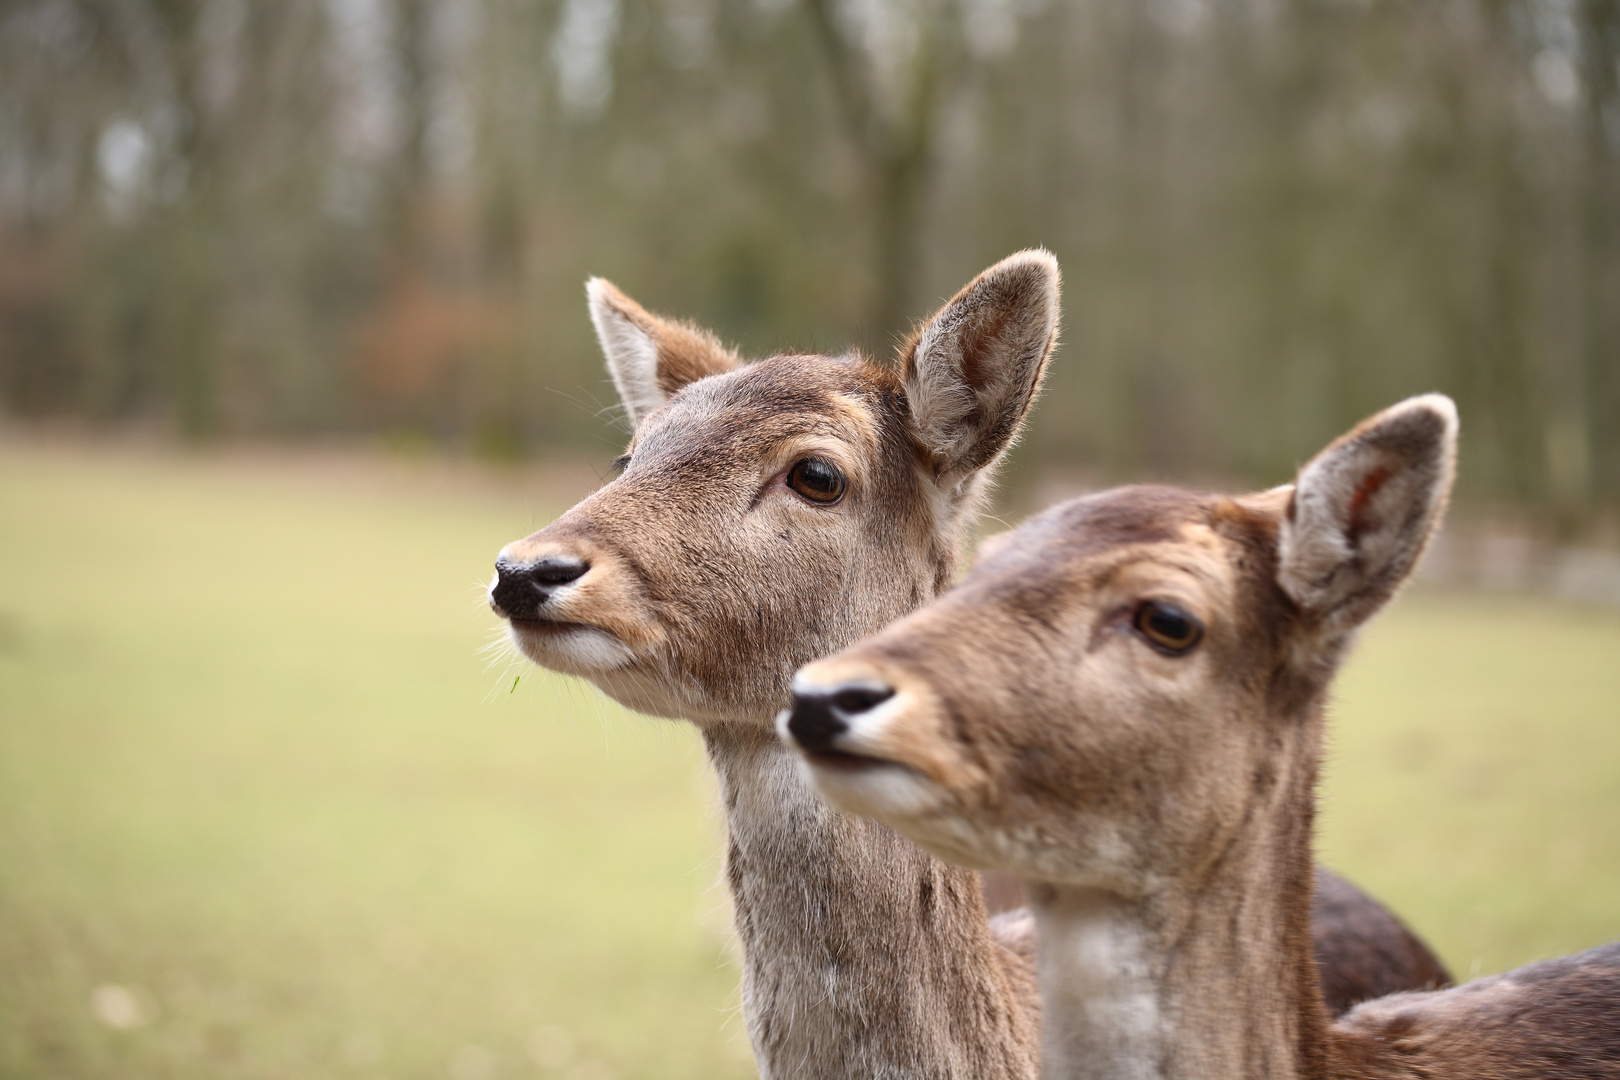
(817, 480)
(1167, 627)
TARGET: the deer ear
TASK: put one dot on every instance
(1363, 510)
(972, 371)
(650, 358)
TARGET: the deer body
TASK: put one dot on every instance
(771, 513)
(768, 514)
(1138, 737)
(864, 956)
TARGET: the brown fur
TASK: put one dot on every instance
(1363, 951)
(1161, 805)
(686, 352)
(709, 582)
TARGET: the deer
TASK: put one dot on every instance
(769, 513)
(1123, 703)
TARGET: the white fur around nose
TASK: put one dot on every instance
(864, 732)
(580, 650)
(888, 793)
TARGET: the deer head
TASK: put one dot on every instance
(771, 512)
(1129, 682)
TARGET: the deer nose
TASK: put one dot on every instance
(821, 714)
(521, 589)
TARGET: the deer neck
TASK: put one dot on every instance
(863, 956)
(1211, 977)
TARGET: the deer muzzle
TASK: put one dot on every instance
(522, 590)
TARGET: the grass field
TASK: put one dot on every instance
(265, 813)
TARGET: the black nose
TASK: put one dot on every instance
(820, 715)
(521, 589)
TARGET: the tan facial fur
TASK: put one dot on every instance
(709, 579)
(1044, 732)
(696, 582)
(1158, 799)
(714, 576)
(981, 732)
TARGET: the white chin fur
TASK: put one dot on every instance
(890, 793)
(580, 650)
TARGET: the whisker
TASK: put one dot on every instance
(500, 681)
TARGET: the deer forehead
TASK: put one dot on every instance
(1065, 565)
(1047, 615)
(776, 405)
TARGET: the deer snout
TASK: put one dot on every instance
(521, 590)
(821, 714)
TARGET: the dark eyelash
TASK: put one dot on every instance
(620, 463)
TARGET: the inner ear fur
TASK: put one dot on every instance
(1363, 510)
(648, 356)
(972, 371)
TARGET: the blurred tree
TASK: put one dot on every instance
(1591, 448)
(888, 80)
(376, 215)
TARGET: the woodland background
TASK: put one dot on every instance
(293, 339)
(373, 217)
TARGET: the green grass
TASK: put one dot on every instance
(254, 772)
(1473, 780)
(253, 769)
